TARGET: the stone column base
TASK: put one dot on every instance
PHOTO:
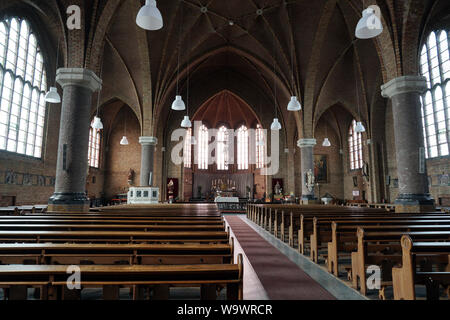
(414, 203)
(401, 208)
(68, 202)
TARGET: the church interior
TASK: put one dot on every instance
(230, 150)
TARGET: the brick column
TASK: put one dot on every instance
(404, 93)
(307, 152)
(147, 160)
(78, 85)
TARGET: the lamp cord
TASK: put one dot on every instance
(179, 47)
(57, 60)
(100, 90)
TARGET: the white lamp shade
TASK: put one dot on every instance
(124, 141)
(359, 127)
(193, 140)
(275, 125)
(178, 104)
(326, 143)
(294, 104)
(186, 123)
(97, 123)
(369, 26)
(149, 17)
(52, 96)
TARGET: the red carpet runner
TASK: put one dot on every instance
(281, 278)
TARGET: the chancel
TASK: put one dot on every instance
(232, 150)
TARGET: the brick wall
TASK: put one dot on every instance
(119, 159)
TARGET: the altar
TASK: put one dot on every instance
(226, 196)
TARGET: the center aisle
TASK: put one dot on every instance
(281, 278)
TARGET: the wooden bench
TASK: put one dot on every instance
(52, 279)
(109, 227)
(145, 254)
(344, 235)
(318, 228)
(388, 241)
(114, 236)
(406, 276)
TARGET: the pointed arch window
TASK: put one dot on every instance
(355, 147)
(187, 150)
(94, 147)
(260, 146)
(242, 148)
(222, 148)
(435, 67)
(203, 139)
(23, 85)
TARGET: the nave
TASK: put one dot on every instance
(275, 252)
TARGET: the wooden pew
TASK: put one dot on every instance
(109, 227)
(114, 236)
(52, 279)
(344, 235)
(313, 226)
(145, 254)
(370, 242)
(406, 276)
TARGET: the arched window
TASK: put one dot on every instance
(22, 89)
(355, 147)
(435, 67)
(242, 148)
(94, 147)
(222, 149)
(260, 145)
(187, 151)
(203, 139)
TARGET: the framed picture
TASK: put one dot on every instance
(321, 168)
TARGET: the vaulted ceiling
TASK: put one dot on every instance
(256, 49)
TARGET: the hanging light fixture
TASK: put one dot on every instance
(97, 121)
(369, 26)
(124, 141)
(178, 103)
(294, 104)
(326, 141)
(149, 17)
(52, 95)
(276, 125)
(186, 123)
(360, 127)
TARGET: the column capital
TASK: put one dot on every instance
(405, 84)
(305, 143)
(148, 141)
(80, 77)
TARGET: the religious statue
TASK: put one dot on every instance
(309, 180)
(130, 177)
(170, 190)
(278, 188)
